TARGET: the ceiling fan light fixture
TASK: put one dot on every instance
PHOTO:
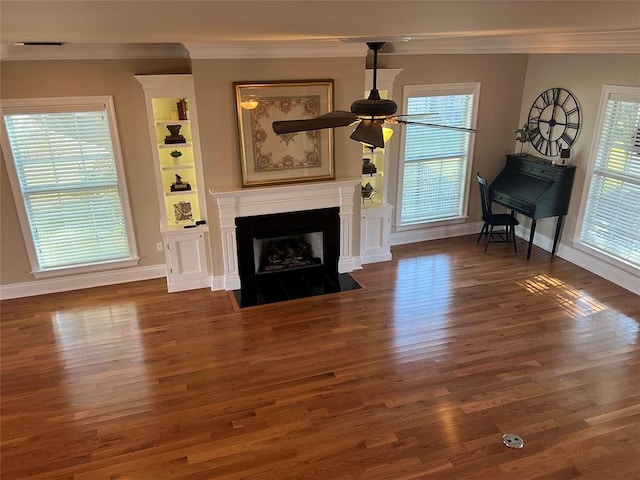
(372, 108)
(369, 115)
(387, 133)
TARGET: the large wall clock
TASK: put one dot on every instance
(554, 121)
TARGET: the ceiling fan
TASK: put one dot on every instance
(369, 114)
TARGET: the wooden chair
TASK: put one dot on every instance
(492, 220)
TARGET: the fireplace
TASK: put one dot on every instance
(282, 243)
(334, 200)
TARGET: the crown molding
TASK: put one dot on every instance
(627, 41)
(289, 49)
(87, 51)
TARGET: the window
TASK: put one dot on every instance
(66, 174)
(435, 166)
(611, 213)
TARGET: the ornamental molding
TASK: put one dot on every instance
(625, 41)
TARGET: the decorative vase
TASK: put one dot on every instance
(174, 129)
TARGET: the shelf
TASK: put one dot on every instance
(177, 229)
(175, 145)
(164, 123)
(369, 175)
(179, 194)
(177, 167)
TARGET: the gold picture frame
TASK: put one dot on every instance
(271, 159)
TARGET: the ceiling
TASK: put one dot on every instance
(245, 28)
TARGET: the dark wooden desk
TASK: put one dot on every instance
(535, 188)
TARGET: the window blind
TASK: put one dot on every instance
(68, 179)
(612, 215)
(436, 160)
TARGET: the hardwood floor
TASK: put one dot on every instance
(415, 376)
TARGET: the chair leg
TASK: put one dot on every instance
(513, 233)
(486, 244)
(484, 228)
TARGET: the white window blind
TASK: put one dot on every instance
(436, 161)
(68, 179)
(611, 222)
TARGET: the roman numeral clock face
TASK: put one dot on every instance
(554, 120)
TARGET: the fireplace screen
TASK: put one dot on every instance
(287, 252)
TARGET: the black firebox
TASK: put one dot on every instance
(289, 255)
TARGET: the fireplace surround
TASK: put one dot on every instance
(303, 197)
(279, 243)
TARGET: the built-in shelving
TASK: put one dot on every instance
(170, 101)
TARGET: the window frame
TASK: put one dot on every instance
(608, 93)
(409, 91)
(58, 105)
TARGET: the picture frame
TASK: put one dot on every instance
(271, 159)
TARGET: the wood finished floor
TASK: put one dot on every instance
(415, 376)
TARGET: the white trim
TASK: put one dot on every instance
(22, 105)
(178, 286)
(217, 282)
(429, 90)
(375, 258)
(281, 199)
(604, 257)
(289, 49)
(79, 282)
(435, 233)
(627, 41)
(622, 278)
(608, 92)
(82, 269)
(92, 51)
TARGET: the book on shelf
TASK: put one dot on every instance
(182, 109)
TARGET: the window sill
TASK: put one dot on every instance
(88, 268)
(431, 224)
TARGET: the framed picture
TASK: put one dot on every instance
(182, 212)
(268, 158)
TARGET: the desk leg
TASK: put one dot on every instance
(533, 231)
(557, 234)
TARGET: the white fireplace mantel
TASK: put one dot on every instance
(282, 199)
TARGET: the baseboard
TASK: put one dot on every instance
(594, 265)
(346, 265)
(376, 257)
(217, 282)
(77, 282)
(435, 233)
(173, 287)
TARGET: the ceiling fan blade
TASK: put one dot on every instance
(334, 119)
(435, 125)
(397, 118)
(369, 132)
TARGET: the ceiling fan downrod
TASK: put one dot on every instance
(374, 107)
(375, 46)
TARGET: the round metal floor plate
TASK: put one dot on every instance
(512, 440)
